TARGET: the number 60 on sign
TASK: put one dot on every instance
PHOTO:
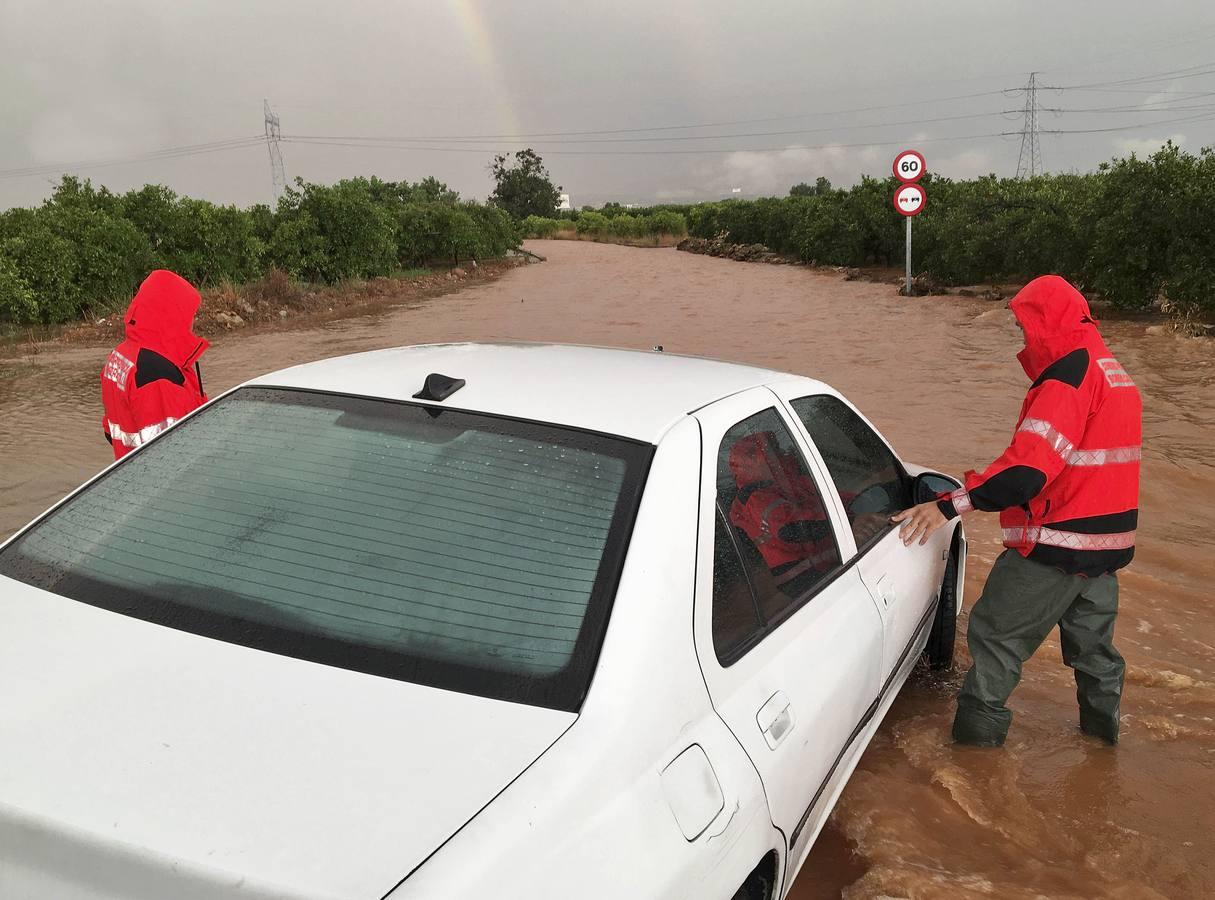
(909, 166)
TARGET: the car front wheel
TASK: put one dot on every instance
(945, 625)
(754, 889)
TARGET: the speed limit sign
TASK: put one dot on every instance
(909, 199)
(909, 166)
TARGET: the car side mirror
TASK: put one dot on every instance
(929, 485)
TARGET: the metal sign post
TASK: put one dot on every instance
(909, 198)
(909, 256)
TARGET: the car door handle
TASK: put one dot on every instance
(885, 590)
(775, 719)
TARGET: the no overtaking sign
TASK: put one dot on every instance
(909, 199)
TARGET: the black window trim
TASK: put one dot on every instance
(739, 650)
(584, 659)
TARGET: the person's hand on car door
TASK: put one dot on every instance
(919, 522)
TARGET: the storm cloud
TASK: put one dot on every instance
(780, 92)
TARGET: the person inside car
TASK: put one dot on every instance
(778, 507)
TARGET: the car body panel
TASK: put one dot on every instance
(154, 753)
(629, 393)
(590, 818)
(821, 663)
(850, 757)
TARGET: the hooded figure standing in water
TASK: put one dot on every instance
(1067, 490)
(152, 379)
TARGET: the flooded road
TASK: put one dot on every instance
(1051, 814)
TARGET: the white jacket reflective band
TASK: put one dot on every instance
(1072, 540)
(127, 439)
(1073, 457)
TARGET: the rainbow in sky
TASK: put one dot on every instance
(472, 23)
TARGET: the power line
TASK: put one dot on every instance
(1153, 91)
(1199, 118)
(384, 143)
(1030, 157)
(150, 156)
(587, 133)
(649, 139)
(378, 144)
(1125, 109)
(1189, 36)
(406, 139)
(535, 135)
(1206, 68)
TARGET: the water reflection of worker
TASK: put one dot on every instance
(152, 379)
(779, 508)
(1067, 489)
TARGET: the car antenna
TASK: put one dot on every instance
(439, 387)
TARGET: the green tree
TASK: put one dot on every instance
(201, 242)
(1153, 238)
(802, 189)
(540, 227)
(327, 233)
(524, 187)
(17, 302)
(593, 223)
(431, 190)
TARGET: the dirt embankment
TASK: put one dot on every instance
(921, 285)
(1159, 318)
(277, 300)
(657, 240)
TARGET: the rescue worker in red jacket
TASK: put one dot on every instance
(152, 379)
(779, 508)
(1067, 490)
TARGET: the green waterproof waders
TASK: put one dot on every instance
(1022, 601)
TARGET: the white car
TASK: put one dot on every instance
(463, 621)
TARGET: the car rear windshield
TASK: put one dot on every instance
(453, 549)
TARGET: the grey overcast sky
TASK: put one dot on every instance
(817, 87)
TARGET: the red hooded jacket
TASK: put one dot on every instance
(151, 379)
(1067, 487)
(779, 508)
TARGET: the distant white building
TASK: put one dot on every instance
(563, 203)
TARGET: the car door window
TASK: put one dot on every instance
(736, 618)
(772, 525)
(870, 480)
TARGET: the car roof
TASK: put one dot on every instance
(630, 393)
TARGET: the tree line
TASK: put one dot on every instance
(1137, 232)
(87, 248)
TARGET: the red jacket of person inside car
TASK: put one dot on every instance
(778, 506)
(152, 379)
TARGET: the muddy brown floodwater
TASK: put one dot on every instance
(1051, 814)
